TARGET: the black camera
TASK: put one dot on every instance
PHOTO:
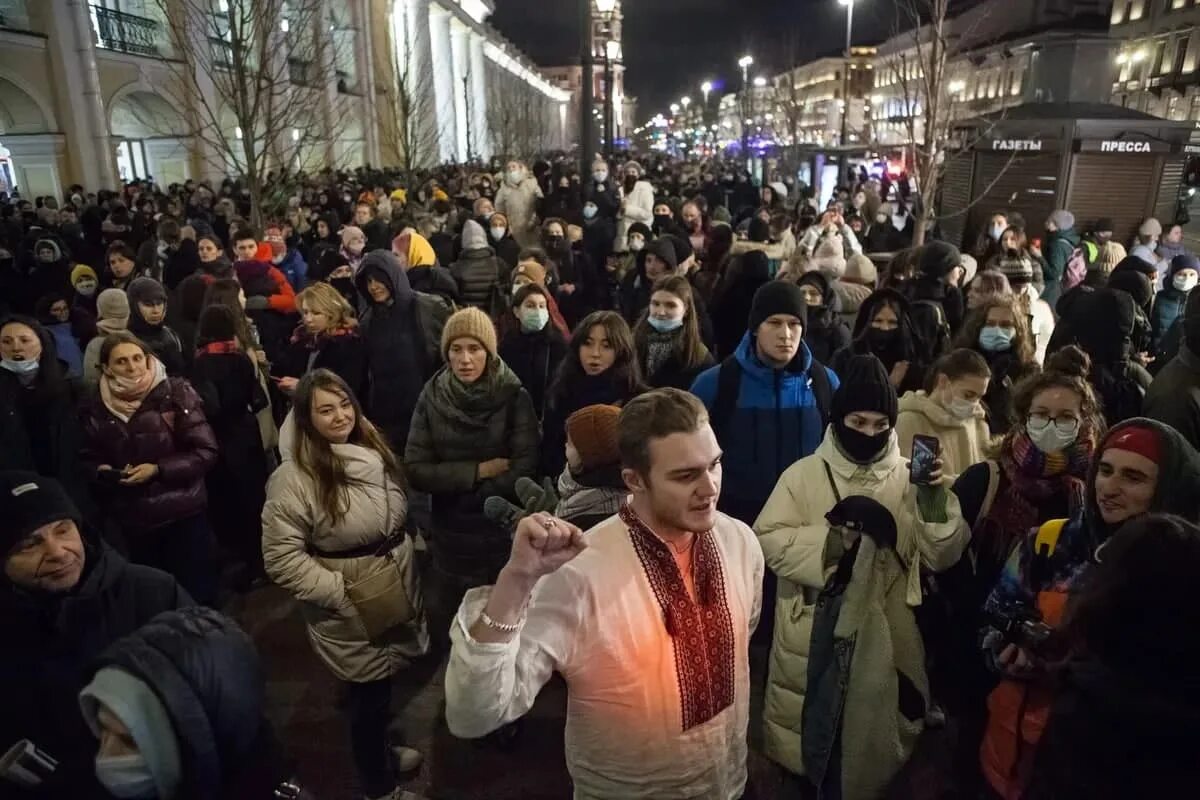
(1019, 624)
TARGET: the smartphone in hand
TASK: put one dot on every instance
(925, 452)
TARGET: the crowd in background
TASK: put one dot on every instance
(404, 365)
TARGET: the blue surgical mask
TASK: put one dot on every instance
(27, 367)
(665, 325)
(126, 776)
(589, 211)
(534, 320)
(995, 339)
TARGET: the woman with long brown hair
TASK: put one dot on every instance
(334, 512)
(999, 331)
(667, 337)
(601, 368)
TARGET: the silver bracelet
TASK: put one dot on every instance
(500, 626)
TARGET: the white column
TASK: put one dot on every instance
(35, 160)
(327, 70)
(366, 79)
(73, 67)
(460, 62)
(479, 99)
(443, 81)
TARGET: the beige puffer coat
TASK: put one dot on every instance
(292, 521)
(793, 533)
(963, 441)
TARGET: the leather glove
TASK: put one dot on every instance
(535, 497)
(256, 302)
(866, 516)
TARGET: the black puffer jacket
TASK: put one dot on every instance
(477, 271)
(169, 430)
(53, 639)
(534, 357)
(403, 341)
(825, 332)
(208, 675)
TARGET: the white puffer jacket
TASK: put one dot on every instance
(793, 533)
(293, 521)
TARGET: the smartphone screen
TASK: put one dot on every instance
(924, 453)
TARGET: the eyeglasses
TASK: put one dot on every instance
(1040, 422)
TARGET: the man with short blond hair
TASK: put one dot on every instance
(647, 617)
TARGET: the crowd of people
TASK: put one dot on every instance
(621, 426)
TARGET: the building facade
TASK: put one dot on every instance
(92, 93)
(1156, 64)
(811, 100)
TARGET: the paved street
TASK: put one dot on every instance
(303, 705)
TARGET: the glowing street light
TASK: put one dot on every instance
(685, 102)
(674, 108)
(706, 87)
(760, 81)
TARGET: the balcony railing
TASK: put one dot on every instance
(126, 33)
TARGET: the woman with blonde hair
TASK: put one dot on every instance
(328, 337)
(333, 521)
(667, 337)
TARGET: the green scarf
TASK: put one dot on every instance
(473, 404)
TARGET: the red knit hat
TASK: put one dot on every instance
(1141, 439)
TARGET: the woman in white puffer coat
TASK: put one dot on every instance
(333, 509)
(858, 465)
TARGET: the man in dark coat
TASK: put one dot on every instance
(403, 331)
(1174, 395)
(64, 597)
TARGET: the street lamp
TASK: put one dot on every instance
(745, 62)
(612, 53)
(849, 4)
(587, 96)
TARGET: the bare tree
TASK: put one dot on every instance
(407, 111)
(246, 75)
(517, 122)
(938, 124)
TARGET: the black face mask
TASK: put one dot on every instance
(661, 221)
(345, 287)
(861, 448)
(554, 242)
(630, 182)
(886, 345)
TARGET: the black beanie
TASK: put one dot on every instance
(27, 502)
(147, 291)
(642, 228)
(1136, 283)
(865, 387)
(777, 297)
(758, 231)
(665, 250)
(683, 248)
(938, 258)
(1135, 264)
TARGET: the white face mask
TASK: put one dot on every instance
(85, 287)
(126, 776)
(498, 233)
(515, 175)
(636, 244)
(1183, 283)
(997, 232)
(961, 408)
(899, 221)
(1050, 439)
(600, 176)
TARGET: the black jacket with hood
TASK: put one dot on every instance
(902, 346)
(824, 333)
(52, 639)
(403, 339)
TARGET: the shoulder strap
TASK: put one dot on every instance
(993, 486)
(822, 390)
(832, 483)
(729, 381)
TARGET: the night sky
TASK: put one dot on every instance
(671, 46)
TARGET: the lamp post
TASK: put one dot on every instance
(745, 62)
(849, 4)
(587, 94)
(705, 88)
(612, 51)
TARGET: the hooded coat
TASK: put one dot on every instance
(1174, 396)
(963, 442)
(825, 332)
(59, 636)
(1105, 323)
(294, 523)
(775, 422)
(888, 662)
(455, 428)
(904, 347)
(403, 338)
(1168, 306)
(205, 671)
(478, 271)
(1007, 757)
(733, 298)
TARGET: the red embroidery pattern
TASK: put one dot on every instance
(701, 634)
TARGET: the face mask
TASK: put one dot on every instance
(665, 325)
(1050, 439)
(960, 408)
(533, 320)
(589, 211)
(126, 776)
(345, 286)
(630, 182)
(600, 176)
(487, 215)
(554, 242)
(994, 339)
(661, 220)
(860, 447)
(899, 221)
(1183, 283)
(86, 287)
(27, 367)
(997, 232)
(498, 233)
(515, 175)
(636, 244)
(883, 342)
(356, 248)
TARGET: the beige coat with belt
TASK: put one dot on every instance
(293, 520)
(794, 536)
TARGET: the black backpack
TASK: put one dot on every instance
(932, 328)
(729, 382)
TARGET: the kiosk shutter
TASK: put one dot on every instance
(1026, 184)
(956, 196)
(1120, 187)
(1166, 207)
